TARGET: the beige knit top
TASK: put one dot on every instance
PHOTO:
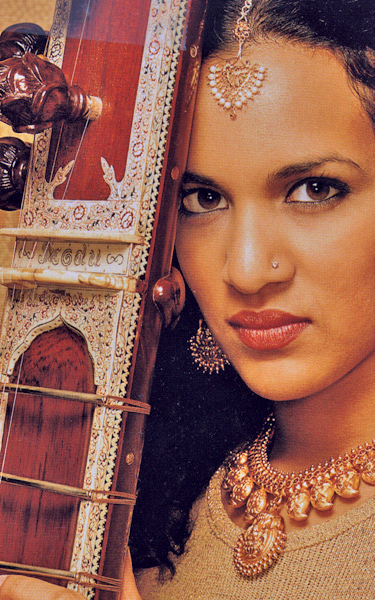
(330, 561)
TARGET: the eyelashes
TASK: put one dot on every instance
(317, 190)
(202, 200)
(311, 192)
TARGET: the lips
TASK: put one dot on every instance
(268, 329)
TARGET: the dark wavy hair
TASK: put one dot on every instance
(196, 419)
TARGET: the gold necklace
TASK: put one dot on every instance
(252, 481)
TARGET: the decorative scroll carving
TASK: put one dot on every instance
(18, 39)
(34, 94)
(14, 159)
(80, 310)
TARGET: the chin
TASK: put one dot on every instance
(279, 395)
(281, 384)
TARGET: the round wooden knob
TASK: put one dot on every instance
(14, 159)
(34, 94)
(169, 296)
(18, 39)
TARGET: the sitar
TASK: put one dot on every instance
(90, 286)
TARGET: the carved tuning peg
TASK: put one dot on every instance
(34, 94)
(169, 296)
(18, 39)
(14, 159)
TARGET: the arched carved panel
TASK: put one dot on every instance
(45, 438)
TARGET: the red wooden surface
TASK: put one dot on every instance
(48, 439)
(106, 63)
(159, 265)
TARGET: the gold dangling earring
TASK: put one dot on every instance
(205, 351)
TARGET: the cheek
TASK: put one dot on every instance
(195, 273)
(199, 262)
(339, 251)
(345, 286)
(360, 296)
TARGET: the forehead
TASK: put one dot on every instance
(305, 108)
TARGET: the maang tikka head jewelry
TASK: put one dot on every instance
(237, 81)
(205, 351)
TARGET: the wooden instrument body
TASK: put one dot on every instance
(79, 315)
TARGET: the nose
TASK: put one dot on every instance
(257, 253)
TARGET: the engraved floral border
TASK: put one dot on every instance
(167, 24)
(33, 312)
(130, 205)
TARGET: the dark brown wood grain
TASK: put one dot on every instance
(47, 440)
(14, 160)
(159, 265)
(34, 94)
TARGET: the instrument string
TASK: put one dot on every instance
(76, 157)
(80, 40)
(27, 205)
(11, 300)
(11, 418)
(58, 144)
(3, 374)
(32, 253)
(12, 317)
(61, 129)
(25, 250)
(13, 289)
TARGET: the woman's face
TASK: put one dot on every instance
(290, 181)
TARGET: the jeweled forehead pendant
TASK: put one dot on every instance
(236, 81)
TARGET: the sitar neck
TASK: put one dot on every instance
(89, 286)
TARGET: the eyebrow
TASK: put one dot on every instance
(305, 167)
(189, 177)
(284, 173)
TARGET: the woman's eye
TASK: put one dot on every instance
(202, 200)
(317, 190)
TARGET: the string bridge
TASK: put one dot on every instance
(81, 578)
(109, 401)
(98, 496)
